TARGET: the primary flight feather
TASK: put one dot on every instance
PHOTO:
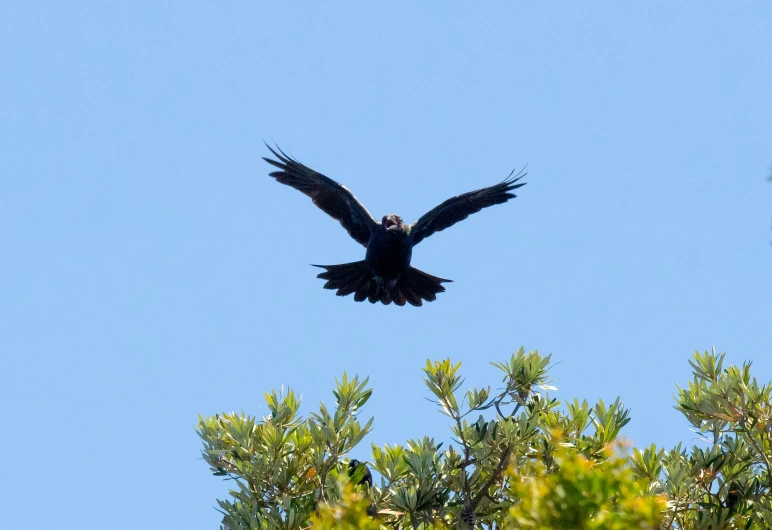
(385, 274)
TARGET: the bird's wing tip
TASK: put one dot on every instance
(278, 152)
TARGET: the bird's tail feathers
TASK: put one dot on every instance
(416, 285)
(347, 278)
(413, 287)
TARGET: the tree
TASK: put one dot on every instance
(727, 483)
(519, 459)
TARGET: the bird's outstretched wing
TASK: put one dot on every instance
(333, 198)
(459, 208)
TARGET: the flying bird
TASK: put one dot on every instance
(385, 275)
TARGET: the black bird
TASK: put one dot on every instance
(733, 497)
(385, 274)
(367, 478)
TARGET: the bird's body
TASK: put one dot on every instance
(389, 251)
(366, 476)
(385, 274)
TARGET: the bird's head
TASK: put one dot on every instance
(392, 222)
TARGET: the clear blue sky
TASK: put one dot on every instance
(151, 270)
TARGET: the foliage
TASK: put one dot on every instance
(583, 493)
(519, 459)
(283, 466)
(348, 513)
(726, 482)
